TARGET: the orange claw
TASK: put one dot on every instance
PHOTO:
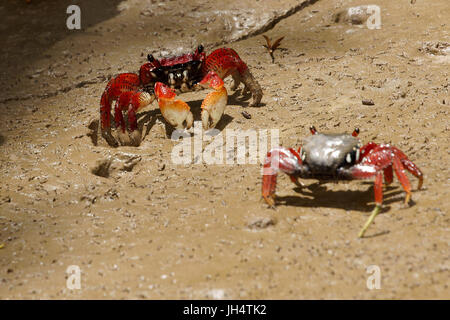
(176, 112)
(164, 92)
(226, 62)
(215, 102)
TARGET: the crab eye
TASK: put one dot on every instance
(353, 156)
(348, 158)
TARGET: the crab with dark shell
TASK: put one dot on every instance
(164, 78)
(334, 157)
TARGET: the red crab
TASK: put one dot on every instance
(176, 74)
(329, 157)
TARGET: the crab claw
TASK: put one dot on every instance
(176, 112)
(215, 102)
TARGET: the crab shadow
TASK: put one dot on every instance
(242, 99)
(317, 195)
(147, 119)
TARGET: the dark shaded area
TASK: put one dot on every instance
(240, 98)
(378, 234)
(318, 195)
(28, 29)
(149, 118)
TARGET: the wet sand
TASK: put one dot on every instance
(153, 229)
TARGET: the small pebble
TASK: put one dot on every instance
(368, 102)
(261, 223)
(246, 115)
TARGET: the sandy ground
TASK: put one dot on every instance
(153, 229)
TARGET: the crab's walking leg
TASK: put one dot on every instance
(215, 102)
(176, 112)
(269, 185)
(279, 159)
(378, 189)
(388, 175)
(118, 117)
(122, 83)
(138, 101)
(295, 180)
(121, 105)
(105, 119)
(225, 62)
(131, 101)
(404, 181)
(414, 170)
(385, 159)
(236, 80)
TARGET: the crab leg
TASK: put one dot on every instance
(388, 175)
(121, 105)
(215, 102)
(404, 181)
(279, 159)
(378, 189)
(115, 87)
(405, 163)
(139, 100)
(176, 112)
(105, 119)
(409, 165)
(269, 185)
(131, 101)
(118, 117)
(295, 180)
(414, 170)
(379, 159)
(236, 80)
(225, 62)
